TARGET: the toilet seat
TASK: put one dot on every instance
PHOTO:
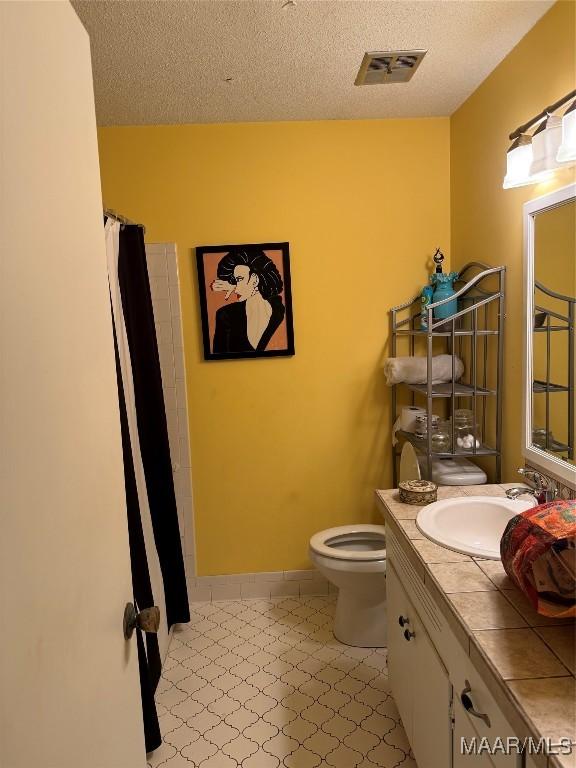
(359, 543)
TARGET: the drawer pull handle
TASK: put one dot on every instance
(469, 706)
(402, 620)
(408, 634)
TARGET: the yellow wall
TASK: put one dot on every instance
(487, 220)
(285, 447)
(282, 448)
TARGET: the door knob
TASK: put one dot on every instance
(408, 635)
(402, 620)
(147, 620)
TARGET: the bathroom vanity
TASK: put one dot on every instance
(468, 658)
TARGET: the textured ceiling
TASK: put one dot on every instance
(198, 61)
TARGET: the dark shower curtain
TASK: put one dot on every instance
(151, 416)
(133, 288)
(149, 661)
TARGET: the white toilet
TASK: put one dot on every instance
(353, 558)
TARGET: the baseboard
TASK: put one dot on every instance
(245, 586)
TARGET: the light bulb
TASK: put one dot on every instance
(567, 150)
(545, 144)
(518, 163)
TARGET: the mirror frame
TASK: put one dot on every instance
(537, 457)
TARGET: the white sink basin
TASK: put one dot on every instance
(472, 525)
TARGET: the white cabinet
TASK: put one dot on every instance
(530, 763)
(400, 654)
(481, 712)
(463, 731)
(429, 671)
(419, 680)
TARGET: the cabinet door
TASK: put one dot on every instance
(431, 690)
(463, 731)
(400, 656)
(466, 679)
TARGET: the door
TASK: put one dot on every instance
(419, 680)
(400, 656)
(432, 740)
(69, 689)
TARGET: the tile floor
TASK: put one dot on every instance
(263, 684)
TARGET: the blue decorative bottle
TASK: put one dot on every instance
(443, 288)
(427, 293)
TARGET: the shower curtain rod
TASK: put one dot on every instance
(111, 214)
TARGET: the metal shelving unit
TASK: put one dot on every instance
(561, 321)
(474, 334)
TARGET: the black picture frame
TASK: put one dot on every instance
(224, 327)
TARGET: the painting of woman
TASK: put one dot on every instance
(246, 306)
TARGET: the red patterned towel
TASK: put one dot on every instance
(538, 551)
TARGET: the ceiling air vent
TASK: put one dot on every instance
(381, 67)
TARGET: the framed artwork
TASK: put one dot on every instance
(245, 300)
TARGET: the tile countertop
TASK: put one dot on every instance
(526, 660)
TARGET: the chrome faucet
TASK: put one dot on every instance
(543, 490)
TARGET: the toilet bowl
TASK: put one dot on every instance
(353, 558)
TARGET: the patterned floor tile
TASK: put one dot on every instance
(221, 734)
(302, 758)
(264, 684)
(199, 751)
(260, 759)
(181, 737)
(224, 706)
(240, 748)
(261, 732)
(321, 743)
(281, 745)
(168, 722)
(300, 729)
(242, 719)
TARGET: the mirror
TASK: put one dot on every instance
(550, 351)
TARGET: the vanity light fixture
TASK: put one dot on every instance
(567, 151)
(546, 142)
(519, 163)
(533, 158)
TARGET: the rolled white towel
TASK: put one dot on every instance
(413, 370)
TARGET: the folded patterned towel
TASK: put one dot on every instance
(414, 370)
(538, 551)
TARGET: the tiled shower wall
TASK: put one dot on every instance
(164, 285)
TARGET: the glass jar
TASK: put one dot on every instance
(466, 432)
(421, 428)
(442, 438)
